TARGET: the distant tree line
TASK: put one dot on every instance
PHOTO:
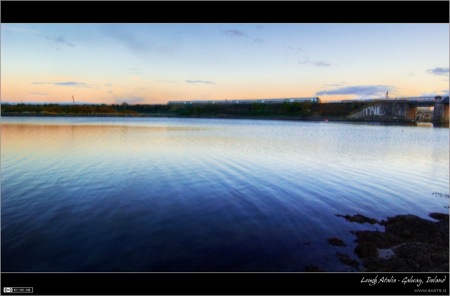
(56, 109)
(254, 110)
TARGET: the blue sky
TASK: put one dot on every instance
(155, 63)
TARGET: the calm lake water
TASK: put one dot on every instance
(144, 194)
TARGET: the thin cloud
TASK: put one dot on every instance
(168, 81)
(199, 82)
(315, 63)
(19, 29)
(125, 37)
(134, 71)
(66, 83)
(138, 43)
(235, 33)
(259, 41)
(439, 71)
(359, 90)
(60, 41)
(322, 63)
(334, 84)
(442, 93)
(71, 83)
(295, 49)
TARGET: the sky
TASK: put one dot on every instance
(157, 63)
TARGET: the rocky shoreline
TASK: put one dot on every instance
(407, 244)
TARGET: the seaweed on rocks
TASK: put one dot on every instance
(416, 244)
(407, 244)
(334, 241)
(366, 250)
(358, 219)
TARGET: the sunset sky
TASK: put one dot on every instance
(155, 63)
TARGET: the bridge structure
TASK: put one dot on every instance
(401, 109)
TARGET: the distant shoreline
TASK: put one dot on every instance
(312, 112)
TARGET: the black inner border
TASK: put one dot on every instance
(222, 12)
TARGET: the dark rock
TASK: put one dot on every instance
(439, 216)
(345, 259)
(426, 257)
(366, 250)
(412, 257)
(410, 227)
(334, 241)
(381, 239)
(419, 245)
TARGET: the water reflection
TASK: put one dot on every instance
(204, 195)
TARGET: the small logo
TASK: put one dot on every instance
(18, 290)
